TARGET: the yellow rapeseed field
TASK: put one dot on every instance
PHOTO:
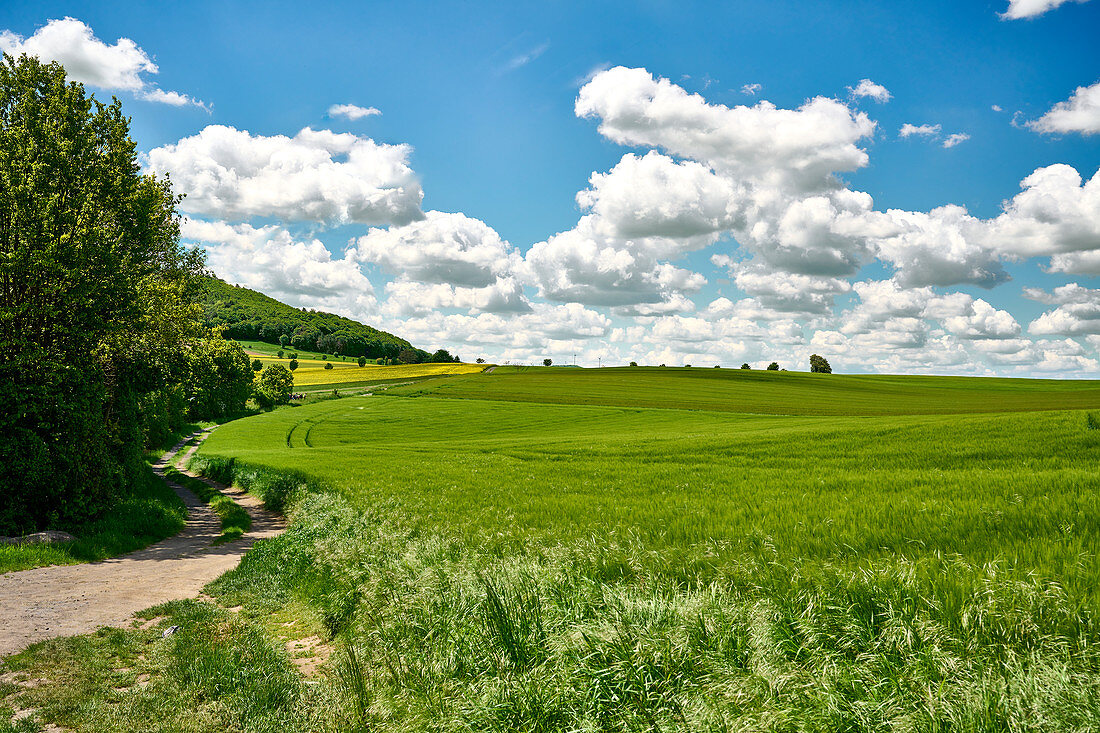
(312, 372)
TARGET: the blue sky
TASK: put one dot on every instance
(485, 99)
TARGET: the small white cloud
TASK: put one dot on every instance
(173, 98)
(525, 58)
(1080, 113)
(751, 89)
(1018, 9)
(996, 108)
(88, 60)
(955, 138)
(352, 111)
(868, 88)
(908, 130)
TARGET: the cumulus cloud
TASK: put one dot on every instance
(440, 248)
(751, 89)
(1055, 213)
(352, 112)
(121, 66)
(1080, 113)
(655, 197)
(945, 246)
(271, 260)
(581, 265)
(405, 297)
(868, 88)
(1018, 9)
(1077, 314)
(317, 175)
(908, 130)
(803, 147)
(784, 291)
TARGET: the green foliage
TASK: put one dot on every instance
(248, 315)
(328, 366)
(96, 302)
(820, 365)
(275, 384)
(150, 513)
(235, 519)
(361, 361)
(746, 366)
(479, 360)
(293, 364)
(442, 356)
(547, 362)
(257, 365)
(773, 367)
(220, 379)
(633, 363)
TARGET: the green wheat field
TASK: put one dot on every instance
(659, 549)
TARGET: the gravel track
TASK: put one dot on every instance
(63, 600)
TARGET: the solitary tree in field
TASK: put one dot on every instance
(361, 361)
(479, 360)
(773, 367)
(275, 385)
(820, 365)
(328, 365)
(257, 365)
(293, 364)
(633, 363)
(547, 362)
(746, 366)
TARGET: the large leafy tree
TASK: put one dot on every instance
(96, 297)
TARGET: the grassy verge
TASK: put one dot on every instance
(235, 519)
(152, 513)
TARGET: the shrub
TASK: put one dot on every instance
(634, 363)
(275, 385)
(746, 366)
(328, 365)
(293, 364)
(280, 354)
(547, 362)
(480, 360)
(361, 361)
(257, 365)
(773, 367)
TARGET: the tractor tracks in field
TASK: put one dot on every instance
(62, 600)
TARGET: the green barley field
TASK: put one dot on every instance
(664, 549)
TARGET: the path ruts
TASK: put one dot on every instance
(62, 600)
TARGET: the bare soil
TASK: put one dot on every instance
(63, 600)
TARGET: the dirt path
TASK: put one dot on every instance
(75, 599)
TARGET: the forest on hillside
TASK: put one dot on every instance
(252, 316)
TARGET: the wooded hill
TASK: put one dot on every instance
(249, 315)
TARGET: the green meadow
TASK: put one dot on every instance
(642, 549)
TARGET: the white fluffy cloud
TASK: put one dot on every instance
(440, 248)
(654, 197)
(1077, 314)
(352, 111)
(114, 67)
(272, 261)
(317, 175)
(868, 88)
(802, 148)
(1080, 113)
(908, 130)
(1018, 9)
(1054, 213)
(581, 265)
